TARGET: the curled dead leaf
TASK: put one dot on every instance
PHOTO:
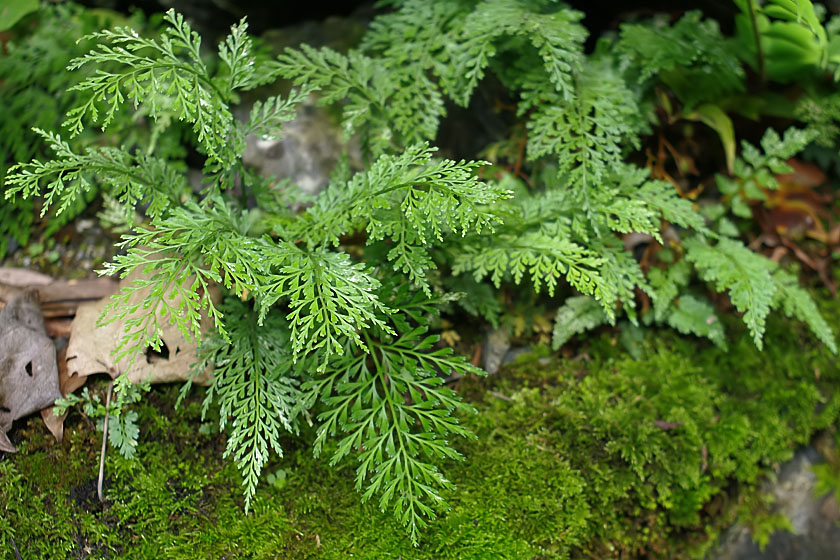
(91, 347)
(28, 371)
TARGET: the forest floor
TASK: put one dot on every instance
(528, 488)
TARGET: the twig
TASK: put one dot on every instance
(104, 443)
(500, 396)
(17, 552)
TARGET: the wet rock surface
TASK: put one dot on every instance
(305, 153)
(816, 533)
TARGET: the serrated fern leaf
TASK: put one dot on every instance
(183, 255)
(554, 31)
(664, 198)
(620, 270)
(267, 117)
(756, 169)
(330, 298)
(578, 314)
(236, 51)
(666, 284)
(123, 432)
(692, 315)
(547, 254)
(586, 135)
(165, 75)
(363, 81)
(796, 303)
(391, 409)
(691, 56)
(254, 387)
(133, 180)
(411, 199)
(746, 276)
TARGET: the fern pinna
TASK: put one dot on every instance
(310, 333)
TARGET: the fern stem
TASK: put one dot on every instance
(104, 443)
(759, 52)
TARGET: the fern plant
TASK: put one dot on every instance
(358, 356)
(36, 92)
(311, 335)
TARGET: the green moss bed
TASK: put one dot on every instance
(599, 456)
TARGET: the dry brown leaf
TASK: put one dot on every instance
(28, 372)
(59, 298)
(90, 348)
(67, 384)
(22, 277)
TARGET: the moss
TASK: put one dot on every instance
(606, 458)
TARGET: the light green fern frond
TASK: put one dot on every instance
(165, 75)
(183, 255)
(547, 254)
(133, 180)
(412, 199)
(693, 315)
(796, 303)
(691, 56)
(553, 30)
(330, 298)
(577, 315)
(586, 135)
(745, 275)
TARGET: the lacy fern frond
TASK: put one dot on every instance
(746, 276)
(390, 408)
(133, 180)
(586, 135)
(236, 51)
(412, 199)
(554, 31)
(163, 75)
(331, 299)
(693, 315)
(183, 255)
(691, 56)
(578, 314)
(268, 117)
(546, 254)
(254, 387)
(666, 284)
(368, 88)
(796, 303)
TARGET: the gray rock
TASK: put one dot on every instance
(305, 153)
(816, 533)
(496, 346)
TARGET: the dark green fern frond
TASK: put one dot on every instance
(391, 409)
(254, 386)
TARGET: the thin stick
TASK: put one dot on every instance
(17, 552)
(104, 444)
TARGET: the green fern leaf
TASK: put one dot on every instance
(692, 315)
(389, 406)
(254, 386)
(797, 304)
(577, 315)
(746, 276)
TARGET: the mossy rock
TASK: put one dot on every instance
(613, 457)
